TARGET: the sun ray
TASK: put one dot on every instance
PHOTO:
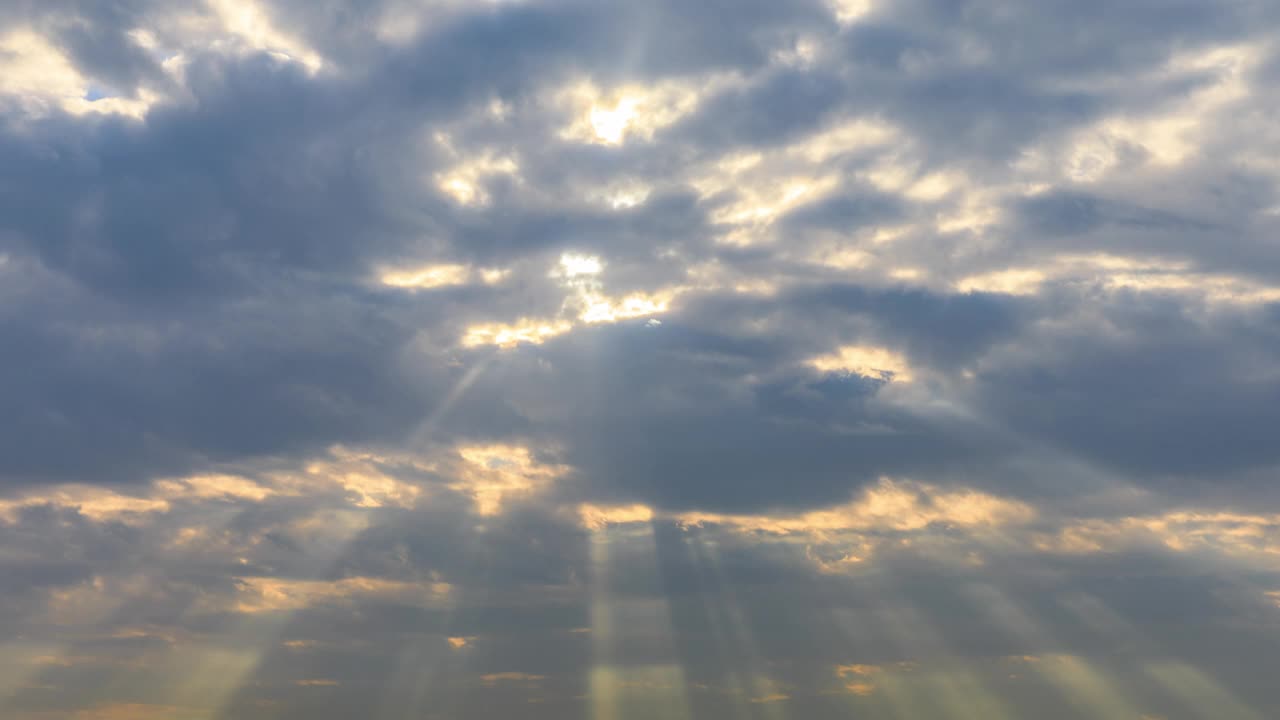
(874, 681)
(423, 659)
(427, 428)
(635, 672)
(1191, 687)
(755, 692)
(728, 651)
(216, 672)
(408, 689)
(1079, 683)
(946, 683)
(21, 664)
(901, 658)
(1197, 691)
(115, 604)
(202, 674)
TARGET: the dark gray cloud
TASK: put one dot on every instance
(1163, 394)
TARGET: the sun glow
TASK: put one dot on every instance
(586, 303)
(866, 361)
(610, 124)
(509, 335)
(573, 265)
(253, 25)
(612, 117)
(465, 181)
(431, 276)
(41, 77)
(598, 517)
(495, 474)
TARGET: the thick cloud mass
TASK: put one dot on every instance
(610, 360)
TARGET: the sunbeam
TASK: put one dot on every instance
(20, 663)
(1081, 686)
(426, 430)
(1190, 687)
(731, 665)
(635, 671)
(205, 678)
(755, 691)
(947, 685)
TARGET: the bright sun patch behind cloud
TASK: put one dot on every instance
(37, 73)
(866, 361)
(586, 303)
(614, 116)
(494, 474)
(251, 23)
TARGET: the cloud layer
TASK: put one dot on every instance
(608, 360)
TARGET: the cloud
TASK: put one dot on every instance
(562, 358)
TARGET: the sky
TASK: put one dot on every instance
(613, 360)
